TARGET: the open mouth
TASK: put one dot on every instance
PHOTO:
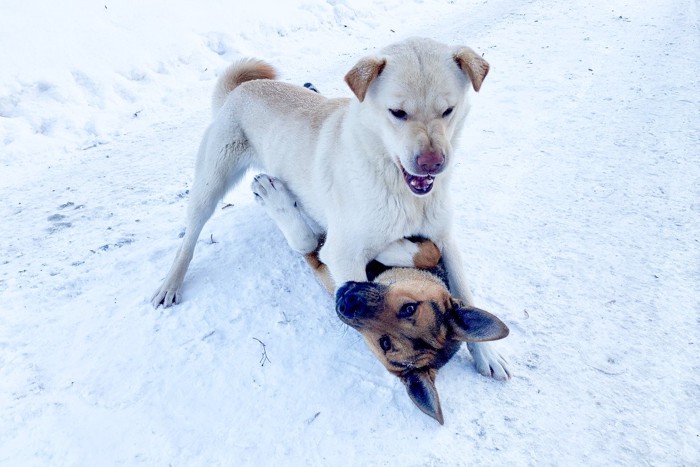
(419, 184)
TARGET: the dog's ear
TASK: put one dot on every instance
(473, 65)
(362, 75)
(470, 324)
(420, 385)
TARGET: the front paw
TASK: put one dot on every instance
(488, 361)
(165, 296)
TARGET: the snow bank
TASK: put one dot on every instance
(80, 71)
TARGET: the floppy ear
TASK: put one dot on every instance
(362, 75)
(470, 324)
(420, 385)
(473, 65)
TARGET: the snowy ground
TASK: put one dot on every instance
(578, 204)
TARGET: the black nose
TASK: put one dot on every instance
(348, 301)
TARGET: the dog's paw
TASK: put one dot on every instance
(271, 193)
(488, 361)
(311, 87)
(166, 296)
(281, 206)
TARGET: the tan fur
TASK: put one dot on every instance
(361, 75)
(428, 255)
(408, 287)
(245, 70)
(473, 65)
(321, 271)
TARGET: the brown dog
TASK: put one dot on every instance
(410, 321)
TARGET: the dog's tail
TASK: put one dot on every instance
(241, 71)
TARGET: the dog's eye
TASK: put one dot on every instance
(385, 343)
(398, 113)
(447, 112)
(409, 309)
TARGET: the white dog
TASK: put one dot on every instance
(368, 171)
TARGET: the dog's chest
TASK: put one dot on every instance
(415, 216)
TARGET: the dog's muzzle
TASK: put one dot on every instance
(427, 165)
(358, 301)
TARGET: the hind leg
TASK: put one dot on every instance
(219, 167)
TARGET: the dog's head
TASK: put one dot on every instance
(417, 93)
(413, 326)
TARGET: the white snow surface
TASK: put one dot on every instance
(578, 214)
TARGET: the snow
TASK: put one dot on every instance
(578, 210)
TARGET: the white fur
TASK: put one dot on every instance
(282, 208)
(340, 158)
(400, 253)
